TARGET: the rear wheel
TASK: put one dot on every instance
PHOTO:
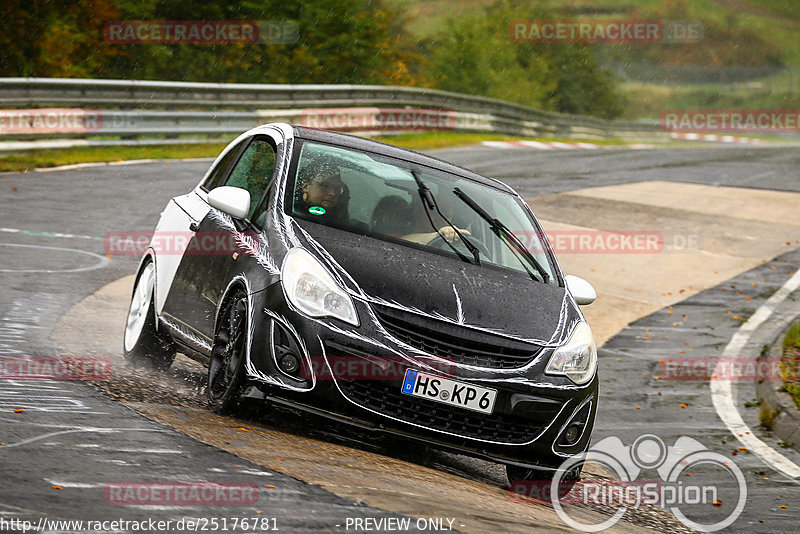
(143, 345)
(226, 367)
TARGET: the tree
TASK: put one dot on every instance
(478, 56)
(340, 41)
(55, 38)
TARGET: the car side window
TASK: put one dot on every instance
(259, 216)
(217, 175)
(254, 171)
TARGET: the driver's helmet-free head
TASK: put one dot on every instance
(318, 171)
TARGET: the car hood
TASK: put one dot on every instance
(447, 288)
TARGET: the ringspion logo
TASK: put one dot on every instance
(627, 489)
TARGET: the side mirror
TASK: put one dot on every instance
(581, 290)
(234, 201)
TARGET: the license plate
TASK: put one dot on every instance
(446, 391)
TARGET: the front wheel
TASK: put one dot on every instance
(143, 345)
(226, 368)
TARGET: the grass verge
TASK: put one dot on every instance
(22, 161)
(790, 362)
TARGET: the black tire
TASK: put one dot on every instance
(143, 345)
(226, 366)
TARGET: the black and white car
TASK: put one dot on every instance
(377, 286)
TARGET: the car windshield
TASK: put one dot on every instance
(378, 196)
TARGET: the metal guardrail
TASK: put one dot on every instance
(166, 108)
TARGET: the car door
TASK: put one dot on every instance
(206, 266)
(177, 223)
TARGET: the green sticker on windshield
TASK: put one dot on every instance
(316, 210)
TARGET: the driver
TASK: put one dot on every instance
(322, 194)
(321, 186)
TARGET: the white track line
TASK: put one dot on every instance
(102, 261)
(722, 391)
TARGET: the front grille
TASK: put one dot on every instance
(386, 399)
(456, 343)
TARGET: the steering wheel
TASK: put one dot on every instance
(439, 243)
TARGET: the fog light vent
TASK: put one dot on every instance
(574, 431)
(286, 353)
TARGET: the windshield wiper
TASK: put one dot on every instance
(429, 203)
(501, 230)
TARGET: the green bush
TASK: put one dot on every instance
(790, 362)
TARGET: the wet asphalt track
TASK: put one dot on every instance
(86, 203)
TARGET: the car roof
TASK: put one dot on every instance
(368, 145)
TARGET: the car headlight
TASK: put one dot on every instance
(577, 358)
(312, 289)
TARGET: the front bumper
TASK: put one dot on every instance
(355, 375)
